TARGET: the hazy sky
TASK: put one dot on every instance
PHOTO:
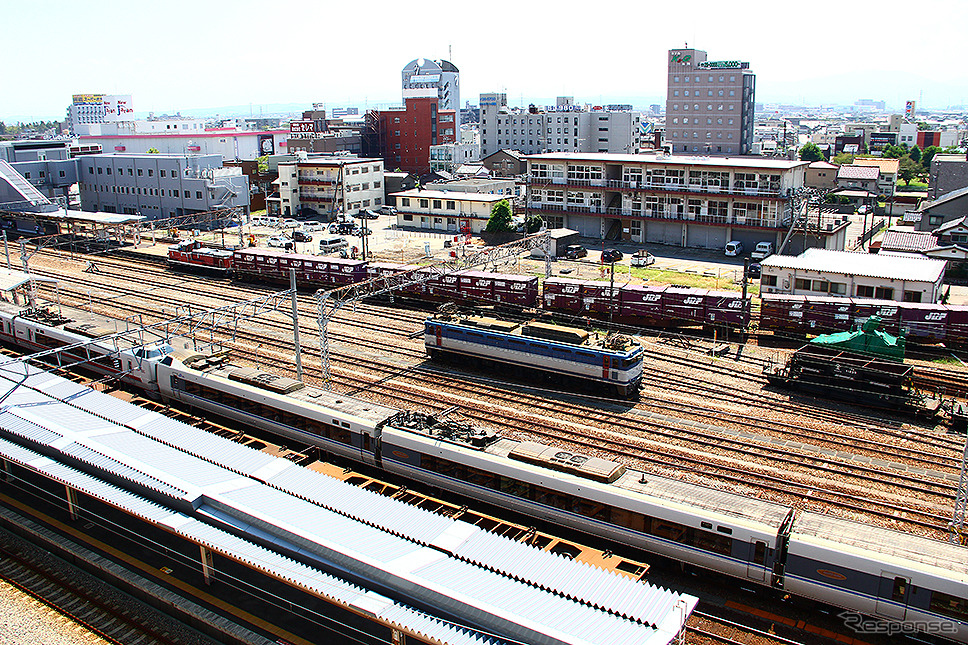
(180, 55)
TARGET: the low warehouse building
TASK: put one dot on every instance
(854, 275)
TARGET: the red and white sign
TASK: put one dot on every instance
(301, 126)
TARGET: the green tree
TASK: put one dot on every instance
(915, 154)
(893, 152)
(843, 159)
(928, 155)
(263, 163)
(534, 222)
(500, 221)
(908, 170)
(153, 151)
(811, 152)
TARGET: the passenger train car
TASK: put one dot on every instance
(538, 349)
(873, 571)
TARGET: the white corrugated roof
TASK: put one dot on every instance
(258, 557)
(506, 587)
(863, 264)
(10, 280)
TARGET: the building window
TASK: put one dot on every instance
(109, 171)
(437, 204)
(151, 172)
(198, 194)
(865, 291)
(768, 281)
(162, 173)
(451, 205)
(90, 170)
(884, 293)
(424, 203)
(802, 284)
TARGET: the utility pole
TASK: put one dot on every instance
(957, 525)
(295, 324)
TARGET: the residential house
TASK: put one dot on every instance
(821, 174)
(947, 207)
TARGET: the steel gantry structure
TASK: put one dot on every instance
(332, 300)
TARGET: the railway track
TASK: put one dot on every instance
(704, 628)
(90, 603)
(706, 449)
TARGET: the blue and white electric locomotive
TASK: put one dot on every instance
(614, 360)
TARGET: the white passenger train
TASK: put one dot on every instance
(915, 582)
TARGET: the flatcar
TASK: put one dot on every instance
(537, 348)
(846, 375)
(877, 572)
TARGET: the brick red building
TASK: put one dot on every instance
(403, 136)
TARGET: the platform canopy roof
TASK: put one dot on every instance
(10, 280)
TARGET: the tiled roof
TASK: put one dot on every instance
(898, 240)
(947, 197)
(886, 164)
(858, 172)
(947, 226)
(822, 165)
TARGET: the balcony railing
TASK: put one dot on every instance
(617, 184)
(667, 214)
(316, 182)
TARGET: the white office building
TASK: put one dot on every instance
(564, 127)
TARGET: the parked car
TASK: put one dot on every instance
(642, 258)
(754, 271)
(314, 226)
(762, 251)
(300, 235)
(733, 248)
(330, 243)
(387, 210)
(575, 251)
(279, 242)
(342, 228)
(289, 223)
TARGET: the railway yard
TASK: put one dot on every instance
(701, 417)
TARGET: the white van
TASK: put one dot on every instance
(330, 243)
(762, 251)
(733, 248)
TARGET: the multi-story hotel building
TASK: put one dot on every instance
(328, 186)
(441, 76)
(670, 199)
(709, 105)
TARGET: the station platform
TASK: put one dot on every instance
(374, 557)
